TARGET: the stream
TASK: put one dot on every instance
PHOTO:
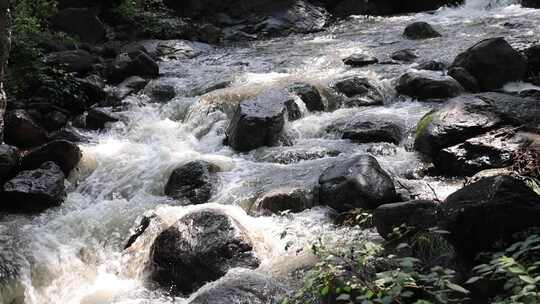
(74, 253)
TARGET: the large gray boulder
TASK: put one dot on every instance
(200, 247)
(358, 182)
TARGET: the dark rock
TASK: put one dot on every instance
(293, 110)
(462, 118)
(258, 122)
(309, 95)
(533, 59)
(34, 191)
(428, 86)
(132, 64)
(94, 87)
(69, 134)
(128, 86)
(515, 110)
(358, 91)
(194, 182)
(80, 22)
(22, 131)
(420, 214)
(360, 60)
(407, 55)
(54, 120)
(76, 61)
(494, 149)
(97, 119)
(530, 3)
(62, 152)
(279, 200)
(200, 247)
(373, 131)
(160, 91)
(9, 161)
(432, 65)
(420, 30)
(493, 62)
(488, 211)
(241, 286)
(384, 7)
(358, 182)
(464, 78)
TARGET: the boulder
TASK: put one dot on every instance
(345, 8)
(97, 119)
(516, 110)
(69, 134)
(420, 214)
(200, 247)
(160, 91)
(194, 182)
(22, 131)
(280, 200)
(63, 153)
(80, 22)
(467, 81)
(407, 55)
(488, 211)
(358, 182)
(358, 91)
(420, 30)
(130, 85)
(309, 95)
(373, 131)
(35, 190)
(462, 118)
(75, 61)
(9, 161)
(94, 87)
(360, 60)
(135, 63)
(293, 110)
(530, 3)
(494, 149)
(533, 59)
(428, 85)
(493, 62)
(432, 65)
(258, 122)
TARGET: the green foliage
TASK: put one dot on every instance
(518, 269)
(128, 8)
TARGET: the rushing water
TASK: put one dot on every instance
(73, 254)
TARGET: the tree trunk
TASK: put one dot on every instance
(5, 43)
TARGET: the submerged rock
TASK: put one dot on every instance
(420, 30)
(407, 55)
(488, 211)
(358, 91)
(360, 60)
(428, 86)
(420, 214)
(373, 131)
(160, 90)
(241, 286)
(309, 95)
(286, 199)
(62, 152)
(34, 190)
(200, 247)
(258, 122)
(22, 130)
(432, 65)
(358, 182)
(493, 62)
(194, 181)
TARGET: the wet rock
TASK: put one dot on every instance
(384, 7)
(516, 110)
(128, 86)
(97, 119)
(279, 200)
(80, 22)
(132, 64)
(407, 55)
(358, 182)
(241, 286)
(194, 182)
(54, 120)
(467, 81)
(420, 30)
(360, 60)
(428, 86)
(293, 110)
(533, 59)
(35, 190)
(75, 61)
(309, 95)
(487, 211)
(530, 3)
(160, 91)
(420, 214)
(294, 155)
(22, 131)
(200, 247)
(493, 62)
(258, 122)
(69, 134)
(373, 131)
(432, 65)
(494, 149)
(62, 152)
(359, 91)
(9, 160)
(94, 87)
(462, 118)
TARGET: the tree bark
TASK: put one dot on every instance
(5, 43)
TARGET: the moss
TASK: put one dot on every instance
(424, 123)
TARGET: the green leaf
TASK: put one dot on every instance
(527, 279)
(343, 297)
(456, 288)
(516, 270)
(473, 279)
(324, 291)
